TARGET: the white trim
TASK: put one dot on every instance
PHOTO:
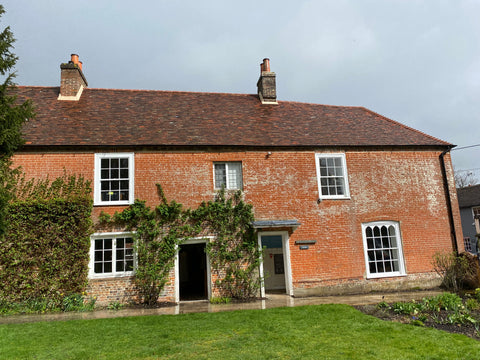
(286, 259)
(72, 97)
(199, 240)
(117, 274)
(97, 178)
(345, 175)
(398, 237)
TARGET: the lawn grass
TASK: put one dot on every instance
(309, 332)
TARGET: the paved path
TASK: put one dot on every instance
(272, 301)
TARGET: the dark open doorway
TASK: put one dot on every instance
(193, 272)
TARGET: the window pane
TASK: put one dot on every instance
(114, 163)
(105, 185)
(220, 176)
(120, 254)
(124, 163)
(105, 163)
(115, 185)
(234, 175)
(107, 267)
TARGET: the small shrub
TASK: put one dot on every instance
(477, 294)
(408, 308)
(456, 271)
(445, 301)
(220, 300)
(383, 305)
(115, 305)
(472, 304)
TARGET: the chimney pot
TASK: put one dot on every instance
(266, 65)
(74, 58)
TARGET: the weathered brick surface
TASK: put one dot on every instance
(402, 186)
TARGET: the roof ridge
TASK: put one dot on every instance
(172, 91)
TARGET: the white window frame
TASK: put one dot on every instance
(114, 236)
(319, 156)
(228, 186)
(399, 248)
(97, 182)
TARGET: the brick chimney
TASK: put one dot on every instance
(72, 80)
(266, 85)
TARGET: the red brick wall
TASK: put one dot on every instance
(402, 186)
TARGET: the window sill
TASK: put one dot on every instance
(110, 276)
(117, 203)
(335, 198)
(385, 275)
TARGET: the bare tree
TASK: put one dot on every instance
(464, 178)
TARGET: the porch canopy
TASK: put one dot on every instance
(268, 224)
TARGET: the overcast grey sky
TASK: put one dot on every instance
(414, 61)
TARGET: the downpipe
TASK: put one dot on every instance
(453, 233)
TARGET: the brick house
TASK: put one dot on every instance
(345, 200)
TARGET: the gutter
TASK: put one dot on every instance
(453, 233)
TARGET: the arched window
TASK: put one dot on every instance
(383, 249)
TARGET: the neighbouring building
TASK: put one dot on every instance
(469, 203)
(345, 200)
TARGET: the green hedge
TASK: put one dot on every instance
(45, 251)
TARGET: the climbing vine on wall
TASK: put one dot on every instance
(233, 251)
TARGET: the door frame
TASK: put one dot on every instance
(202, 240)
(286, 261)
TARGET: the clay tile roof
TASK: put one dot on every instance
(105, 117)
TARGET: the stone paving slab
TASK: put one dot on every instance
(271, 301)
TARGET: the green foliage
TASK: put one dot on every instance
(407, 308)
(233, 251)
(454, 270)
(115, 305)
(445, 301)
(157, 234)
(72, 302)
(45, 250)
(472, 304)
(77, 302)
(12, 116)
(220, 300)
(477, 294)
(446, 308)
